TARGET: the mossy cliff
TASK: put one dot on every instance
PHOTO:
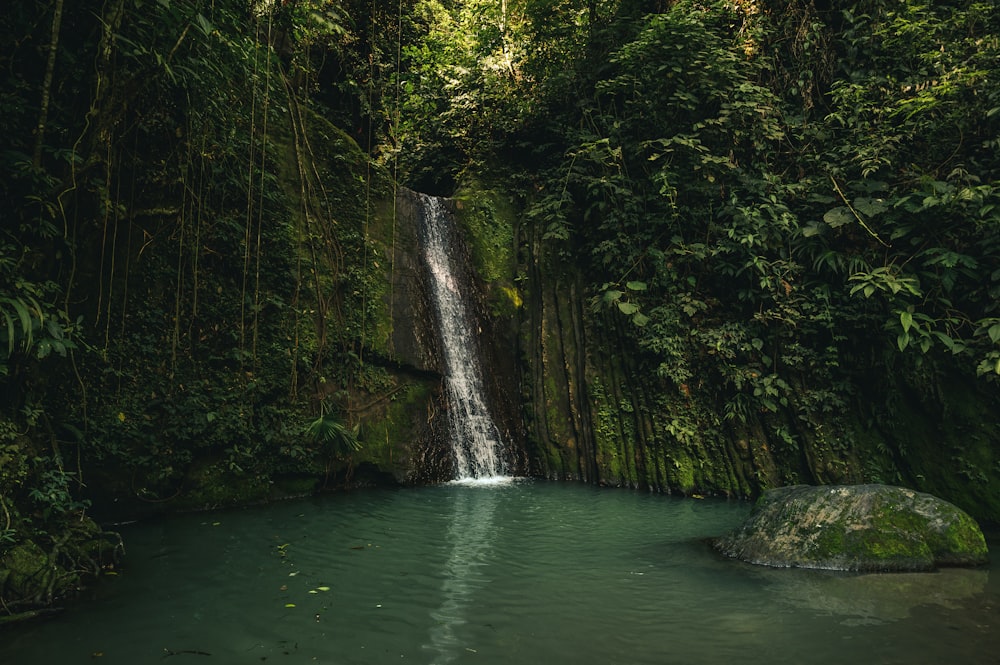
(597, 410)
(338, 338)
(596, 407)
(748, 262)
(197, 267)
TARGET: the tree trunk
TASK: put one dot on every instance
(43, 112)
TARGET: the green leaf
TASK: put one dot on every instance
(640, 319)
(948, 342)
(328, 429)
(902, 341)
(612, 296)
(870, 207)
(636, 286)
(906, 320)
(204, 25)
(994, 333)
(10, 333)
(811, 229)
(838, 217)
(24, 317)
(627, 308)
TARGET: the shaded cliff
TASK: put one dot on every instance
(597, 409)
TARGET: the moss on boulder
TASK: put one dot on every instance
(866, 528)
(53, 564)
(23, 570)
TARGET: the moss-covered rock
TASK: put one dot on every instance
(39, 570)
(855, 527)
(23, 570)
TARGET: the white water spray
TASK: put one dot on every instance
(475, 439)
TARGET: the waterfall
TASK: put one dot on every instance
(475, 439)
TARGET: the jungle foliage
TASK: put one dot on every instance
(785, 215)
(185, 278)
(822, 166)
(780, 218)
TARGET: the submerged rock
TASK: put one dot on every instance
(864, 528)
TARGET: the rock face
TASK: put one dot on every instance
(867, 528)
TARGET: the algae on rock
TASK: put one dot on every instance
(866, 528)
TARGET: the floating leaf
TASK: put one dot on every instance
(289, 604)
(323, 588)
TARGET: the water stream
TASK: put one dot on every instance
(475, 440)
(527, 572)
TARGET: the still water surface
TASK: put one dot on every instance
(523, 573)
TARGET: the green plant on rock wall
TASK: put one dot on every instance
(52, 493)
(328, 430)
(335, 441)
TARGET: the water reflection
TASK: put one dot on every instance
(877, 598)
(470, 536)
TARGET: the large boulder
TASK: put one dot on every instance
(867, 528)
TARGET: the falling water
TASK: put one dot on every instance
(475, 440)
